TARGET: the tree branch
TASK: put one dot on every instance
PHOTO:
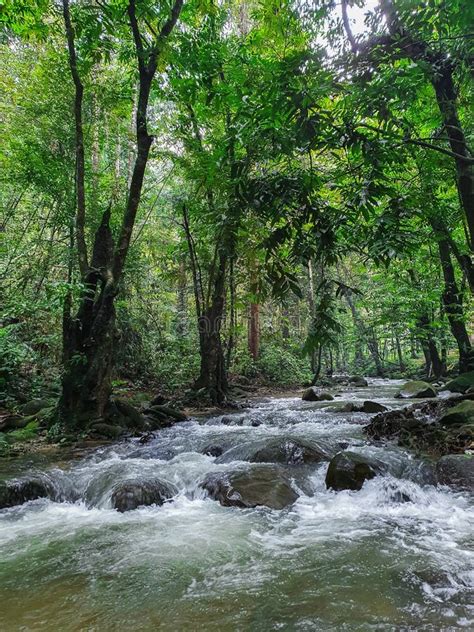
(347, 26)
(80, 169)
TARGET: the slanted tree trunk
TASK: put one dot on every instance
(400, 44)
(89, 336)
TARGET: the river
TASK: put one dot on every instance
(366, 560)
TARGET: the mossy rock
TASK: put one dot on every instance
(416, 390)
(159, 410)
(460, 415)
(133, 418)
(34, 406)
(462, 383)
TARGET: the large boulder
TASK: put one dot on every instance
(291, 452)
(34, 406)
(373, 407)
(313, 394)
(165, 414)
(132, 493)
(131, 417)
(462, 414)
(348, 470)
(462, 383)
(11, 421)
(456, 470)
(19, 491)
(416, 390)
(257, 485)
(358, 380)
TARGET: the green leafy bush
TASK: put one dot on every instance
(12, 354)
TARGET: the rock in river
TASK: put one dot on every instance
(416, 389)
(456, 470)
(133, 493)
(19, 491)
(251, 487)
(462, 414)
(373, 407)
(291, 452)
(314, 394)
(462, 383)
(348, 470)
(358, 380)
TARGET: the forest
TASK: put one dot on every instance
(205, 203)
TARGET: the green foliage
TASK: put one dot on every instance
(282, 147)
(277, 365)
(13, 353)
(27, 433)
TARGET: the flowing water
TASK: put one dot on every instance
(367, 560)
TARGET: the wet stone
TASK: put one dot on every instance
(258, 485)
(130, 494)
(348, 470)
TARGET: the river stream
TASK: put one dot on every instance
(366, 560)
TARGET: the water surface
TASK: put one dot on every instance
(333, 561)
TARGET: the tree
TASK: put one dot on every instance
(89, 335)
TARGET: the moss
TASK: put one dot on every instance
(30, 431)
(461, 383)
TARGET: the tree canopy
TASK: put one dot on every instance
(194, 190)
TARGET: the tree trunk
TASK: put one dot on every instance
(433, 362)
(231, 341)
(401, 362)
(358, 329)
(181, 303)
(443, 84)
(285, 320)
(373, 345)
(213, 374)
(452, 299)
(89, 337)
(316, 363)
(254, 331)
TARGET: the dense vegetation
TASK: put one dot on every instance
(192, 191)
